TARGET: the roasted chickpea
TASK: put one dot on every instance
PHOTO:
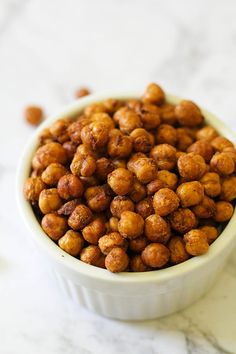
(196, 242)
(155, 255)
(32, 188)
(153, 94)
(127, 119)
(178, 253)
(154, 186)
(89, 181)
(80, 217)
(224, 211)
(191, 166)
(90, 254)
(207, 133)
(138, 191)
(138, 244)
(137, 264)
(164, 156)
(211, 233)
(33, 114)
(230, 151)
(220, 143)
(190, 193)
(131, 225)
(72, 242)
(145, 207)
(98, 198)
(94, 108)
(184, 139)
(74, 129)
(83, 165)
(119, 146)
(205, 209)
(113, 224)
(134, 104)
(95, 135)
(228, 191)
(211, 184)
(70, 187)
(53, 173)
(157, 229)
(179, 153)
(165, 201)
(120, 204)
(144, 168)
(222, 163)
(119, 163)
(143, 141)
(166, 134)
(112, 105)
(70, 148)
(188, 114)
(183, 220)
(104, 166)
(203, 148)
(54, 226)
(94, 230)
(167, 112)
(104, 119)
(116, 260)
(170, 179)
(59, 130)
(82, 92)
(49, 200)
(47, 154)
(120, 181)
(150, 116)
(68, 207)
(110, 241)
(45, 137)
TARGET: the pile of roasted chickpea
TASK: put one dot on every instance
(133, 185)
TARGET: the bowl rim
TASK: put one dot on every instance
(225, 239)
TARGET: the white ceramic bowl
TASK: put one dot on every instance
(127, 296)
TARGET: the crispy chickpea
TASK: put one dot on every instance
(211, 233)
(191, 166)
(184, 139)
(70, 148)
(228, 191)
(222, 163)
(59, 130)
(155, 255)
(67, 208)
(220, 143)
(166, 134)
(104, 119)
(72, 242)
(203, 148)
(164, 156)
(150, 116)
(49, 200)
(53, 173)
(94, 108)
(104, 166)
(196, 242)
(157, 229)
(224, 211)
(167, 112)
(120, 204)
(188, 114)
(138, 191)
(75, 128)
(138, 244)
(110, 241)
(207, 133)
(95, 135)
(54, 226)
(47, 154)
(211, 184)
(153, 94)
(178, 253)
(190, 193)
(137, 264)
(127, 119)
(145, 207)
(134, 104)
(94, 230)
(89, 181)
(183, 220)
(120, 181)
(143, 141)
(112, 105)
(80, 217)
(116, 260)
(165, 201)
(33, 187)
(113, 224)
(45, 137)
(70, 187)
(119, 163)
(154, 186)
(119, 146)
(33, 114)
(231, 151)
(170, 179)
(144, 168)
(98, 198)
(179, 153)
(83, 165)
(82, 92)
(205, 209)
(131, 225)
(90, 254)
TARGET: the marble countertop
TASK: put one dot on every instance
(47, 49)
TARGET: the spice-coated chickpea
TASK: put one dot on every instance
(138, 191)
(191, 166)
(153, 94)
(203, 148)
(179, 153)
(104, 166)
(150, 116)
(47, 154)
(53, 173)
(74, 129)
(166, 134)
(190, 193)
(165, 201)
(49, 200)
(164, 156)
(167, 112)
(70, 148)
(137, 264)
(70, 187)
(119, 146)
(80, 217)
(131, 225)
(170, 179)
(120, 181)
(59, 130)
(33, 187)
(45, 137)
(157, 229)
(143, 141)
(138, 244)
(112, 105)
(155, 185)
(188, 114)
(196, 242)
(211, 233)
(94, 230)
(72, 242)
(98, 198)
(83, 165)
(178, 253)
(220, 143)
(104, 119)
(116, 260)
(228, 189)
(205, 209)
(224, 211)
(155, 255)
(183, 220)
(144, 168)
(54, 226)
(110, 241)
(222, 163)
(231, 151)
(128, 120)
(211, 184)
(113, 224)
(145, 207)
(120, 204)
(134, 104)
(90, 254)
(95, 135)
(119, 163)
(184, 139)
(82, 92)
(33, 114)
(67, 208)
(94, 108)
(207, 133)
